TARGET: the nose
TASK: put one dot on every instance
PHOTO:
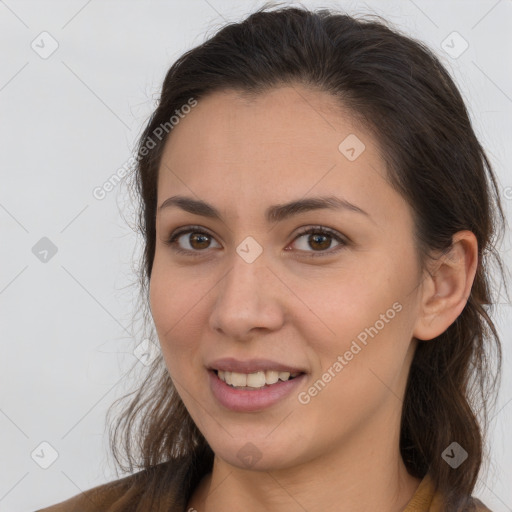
(249, 300)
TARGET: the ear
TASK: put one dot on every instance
(447, 287)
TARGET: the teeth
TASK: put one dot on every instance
(238, 379)
(284, 375)
(254, 380)
(271, 377)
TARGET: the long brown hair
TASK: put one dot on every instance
(397, 88)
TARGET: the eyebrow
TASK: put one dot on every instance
(274, 213)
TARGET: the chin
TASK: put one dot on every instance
(257, 454)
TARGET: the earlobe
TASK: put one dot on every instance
(447, 287)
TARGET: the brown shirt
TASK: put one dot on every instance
(129, 494)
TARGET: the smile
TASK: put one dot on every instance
(257, 380)
(251, 392)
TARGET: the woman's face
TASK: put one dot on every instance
(252, 294)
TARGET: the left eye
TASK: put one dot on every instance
(319, 238)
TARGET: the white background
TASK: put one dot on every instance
(70, 121)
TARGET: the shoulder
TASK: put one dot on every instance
(479, 506)
(98, 498)
(125, 493)
(428, 499)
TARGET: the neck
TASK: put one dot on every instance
(364, 476)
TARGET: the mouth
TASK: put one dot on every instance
(256, 380)
(255, 391)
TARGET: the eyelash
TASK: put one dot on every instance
(315, 230)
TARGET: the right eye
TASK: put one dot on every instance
(197, 240)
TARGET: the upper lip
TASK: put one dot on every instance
(229, 364)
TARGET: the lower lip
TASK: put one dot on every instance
(241, 400)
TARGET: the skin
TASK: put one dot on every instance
(243, 155)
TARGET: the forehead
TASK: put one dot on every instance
(279, 145)
(229, 122)
(290, 128)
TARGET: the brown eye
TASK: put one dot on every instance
(190, 241)
(200, 239)
(319, 239)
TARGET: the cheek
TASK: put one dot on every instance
(339, 307)
(362, 316)
(354, 378)
(175, 308)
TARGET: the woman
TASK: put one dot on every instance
(317, 215)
